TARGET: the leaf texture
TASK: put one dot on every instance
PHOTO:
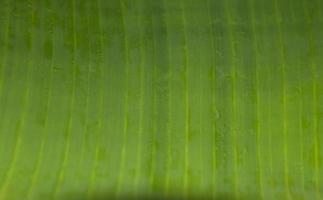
(161, 99)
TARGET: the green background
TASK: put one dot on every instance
(205, 99)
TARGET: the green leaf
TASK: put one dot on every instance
(161, 99)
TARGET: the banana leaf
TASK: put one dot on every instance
(161, 99)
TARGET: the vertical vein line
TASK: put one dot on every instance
(88, 75)
(315, 127)
(202, 167)
(187, 129)
(301, 129)
(169, 123)
(126, 97)
(5, 49)
(23, 115)
(48, 103)
(70, 119)
(213, 82)
(4, 60)
(234, 103)
(314, 101)
(96, 156)
(141, 102)
(283, 74)
(269, 88)
(154, 119)
(300, 108)
(257, 106)
(270, 143)
(319, 10)
(200, 121)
